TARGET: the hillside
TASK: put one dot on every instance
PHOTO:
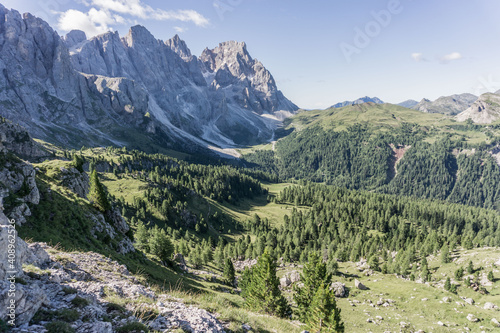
(388, 149)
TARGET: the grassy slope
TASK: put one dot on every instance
(385, 117)
(408, 295)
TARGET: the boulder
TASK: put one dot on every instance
(339, 289)
(27, 300)
(490, 306)
(472, 318)
(359, 285)
(495, 322)
(285, 282)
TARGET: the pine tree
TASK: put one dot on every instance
(470, 267)
(323, 314)
(97, 194)
(459, 273)
(491, 277)
(142, 237)
(260, 288)
(445, 254)
(160, 245)
(229, 273)
(313, 276)
(447, 284)
(77, 162)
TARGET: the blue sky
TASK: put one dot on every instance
(320, 52)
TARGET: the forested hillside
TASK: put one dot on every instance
(389, 149)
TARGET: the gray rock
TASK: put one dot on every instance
(490, 306)
(472, 318)
(181, 261)
(76, 181)
(359, 285)
(27, 300)
(68, 88)
(285, 282)
(485, 110)
(495, 322)
(339, 289)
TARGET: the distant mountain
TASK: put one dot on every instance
(449, 105)
(410, 103)
(484, 111)
(361, 100)
(134, 90)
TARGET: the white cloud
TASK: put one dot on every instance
(93, 22)
(418, 57)
(450, 57)
(179, 29)
(138, 9)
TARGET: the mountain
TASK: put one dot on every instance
(484, 111)
(134, 90)
(450, 105)
(361, 100)
(410, 103)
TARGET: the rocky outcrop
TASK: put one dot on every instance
(76, 181)
(449, 105)
(72, 90)
(79, 283)
(484, 111)
(17, 140)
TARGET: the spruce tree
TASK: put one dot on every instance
(313, 276)
(97, 194)
(445, 254)
(323, 314)
(447, 284)
(260, 288)
(229, 273)
(142, 237)
(160, 245)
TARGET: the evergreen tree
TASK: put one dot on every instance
(374, 262)
(142, 237)
(160, 245)
(445, 254)
(229, 273)
(323, 314)
(447, 284)
(97, 194)
(470, 267)
(260, 288)
(77, 162)
(491, 277)
(313, 276)
(459, 273)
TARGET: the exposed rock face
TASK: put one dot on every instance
(76, 181)
(361, 100)
(450, 105)
(17, 140)
(484, 111)
(73, 91)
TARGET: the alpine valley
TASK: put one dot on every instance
(146, 189)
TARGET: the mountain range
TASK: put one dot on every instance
(133, 89)
(449, 105)
(361, 100)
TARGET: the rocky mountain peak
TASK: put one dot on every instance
(179, 46)
(139, 35)
(74, 37)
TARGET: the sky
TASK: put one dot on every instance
(320, 52)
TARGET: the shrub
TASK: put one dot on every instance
(68, 290)
(79, 302)
(68, 315)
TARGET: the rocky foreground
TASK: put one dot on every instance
(91, 293)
